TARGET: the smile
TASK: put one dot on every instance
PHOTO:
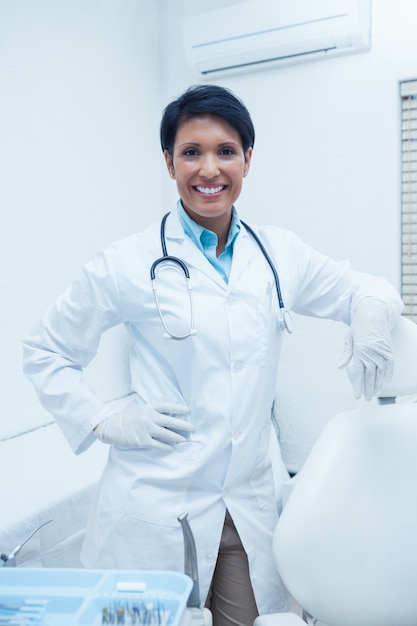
(210, 190)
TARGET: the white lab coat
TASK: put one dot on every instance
(225, 373)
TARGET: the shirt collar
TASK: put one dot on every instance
(202, 236)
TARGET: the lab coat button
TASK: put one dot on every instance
(225, 492)
(231, 300)
(211, 557)
(238, 367)
(237, 435)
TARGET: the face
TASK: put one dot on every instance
(208, 164)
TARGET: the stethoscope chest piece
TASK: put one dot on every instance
(284, 318)
(285, 321)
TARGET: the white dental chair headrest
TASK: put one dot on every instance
(346, 541)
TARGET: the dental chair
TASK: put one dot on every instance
(346, 542)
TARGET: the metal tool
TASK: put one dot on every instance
(25, 614)
(190, 560)
(135, 614)
(10, 561)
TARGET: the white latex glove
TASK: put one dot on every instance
(368, 345)
(144, 426)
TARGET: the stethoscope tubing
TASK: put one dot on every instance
(269, 261)
(284, 316)
(165, 256)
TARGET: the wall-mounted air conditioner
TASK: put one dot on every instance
(266, 33)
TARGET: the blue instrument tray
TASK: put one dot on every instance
(78, 597)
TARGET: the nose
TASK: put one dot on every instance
(209, 167)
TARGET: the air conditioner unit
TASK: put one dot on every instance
(267, 33)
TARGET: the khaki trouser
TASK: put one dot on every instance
(230, 599)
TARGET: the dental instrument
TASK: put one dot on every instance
(190, 560)
(10, 560)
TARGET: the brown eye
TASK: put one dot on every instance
(227, 152)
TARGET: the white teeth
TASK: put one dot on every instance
(210, 190)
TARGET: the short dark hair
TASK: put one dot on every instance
(206, 99)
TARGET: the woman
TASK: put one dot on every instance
(203, 368)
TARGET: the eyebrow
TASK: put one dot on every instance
(220, 145)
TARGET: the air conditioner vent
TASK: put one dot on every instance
(265, 33)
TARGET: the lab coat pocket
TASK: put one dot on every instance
(151, 485)
(117, 540)
(262, 480)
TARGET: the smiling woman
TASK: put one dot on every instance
(208, 154)
(196, 431)
(209, 163)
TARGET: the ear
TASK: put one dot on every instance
(169, 164)
(248, 157)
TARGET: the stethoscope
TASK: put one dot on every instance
(284, 317)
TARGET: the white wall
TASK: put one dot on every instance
(82, 89)
(326, 165)
(80, 163)
(81, 97)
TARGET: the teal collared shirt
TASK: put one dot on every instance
(207, 241)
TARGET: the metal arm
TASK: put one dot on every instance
(10, 561)
(190, 560)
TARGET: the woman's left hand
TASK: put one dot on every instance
(368, 348)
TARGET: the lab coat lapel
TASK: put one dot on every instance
(181, 246)
(242, 254)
